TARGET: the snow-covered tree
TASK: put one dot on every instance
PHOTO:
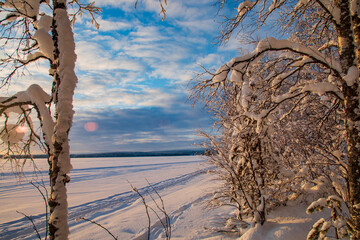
(28, 35)
(244, 162)
(311, 75)
(35, 117)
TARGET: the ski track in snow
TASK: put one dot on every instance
(157, 230)
(81, 175)
(23, 229)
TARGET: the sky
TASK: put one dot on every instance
(134, 71)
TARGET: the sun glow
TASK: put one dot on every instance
(22, 129)
(91, 126)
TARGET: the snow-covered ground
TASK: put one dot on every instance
(100, 191)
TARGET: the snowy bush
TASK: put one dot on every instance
(287, 111)
(337, 219)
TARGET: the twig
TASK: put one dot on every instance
(167, 225)
(146, 208)
(98, 224)
(45, 198)
(32, 222)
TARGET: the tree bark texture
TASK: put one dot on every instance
(348, 38)
(60, 158)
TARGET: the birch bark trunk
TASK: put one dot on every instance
(64, 84)
(348, 37)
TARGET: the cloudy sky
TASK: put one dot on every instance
(133, 74)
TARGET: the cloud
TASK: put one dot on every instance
(233, 44)
(211, 61)
(121, 4)
(202, 25)
(176, 73)
(94, 94)
(142, 129)
(146, 34)
(37, 72)
(111, 24)
(133, 73)
(186, 9)
(93, 57)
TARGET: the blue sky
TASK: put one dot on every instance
(133, 74)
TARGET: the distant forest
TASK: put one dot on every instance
(129, 154)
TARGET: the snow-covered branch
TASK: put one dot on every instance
(272, 44)
(36, 97)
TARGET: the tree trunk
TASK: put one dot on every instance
(352, 135)
(347, 34)
(63, 90)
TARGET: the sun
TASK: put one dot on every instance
(91, 126)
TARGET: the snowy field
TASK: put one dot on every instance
(100, 191)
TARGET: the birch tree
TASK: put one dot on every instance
(264, 164)
(27, 36)
(321, 58)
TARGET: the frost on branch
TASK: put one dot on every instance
(11, 134)
(23, 34)
(43, 38)
(64, 85)
(21, 105)
(277, 113)
(67, 86)
(319, 230)
(29, 31)
(337, 220)
(28, 8)
(300, 93)
(244, 7)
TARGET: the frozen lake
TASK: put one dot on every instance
(100, 190)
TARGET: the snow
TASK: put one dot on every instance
(271, 43)
(352, 76)
(244, 7)
(333, 9)
(321, 88)
(67, 85)
(245, 95)
(281, 98)
(99, 190)
(29, 8)
(12, 136)
(45, 42)
(316, 205)
(45, 23)
(33, 95)
(285, 223)
(335, 198)
(275, 4)
(36, 95)
(221, 74)
(315, 229)
(355, 7)
(339, 187)
(300, 4)
(15, 109)
(65, 91)
(235, 76)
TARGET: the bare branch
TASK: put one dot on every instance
(32, 222)
(99, 225)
